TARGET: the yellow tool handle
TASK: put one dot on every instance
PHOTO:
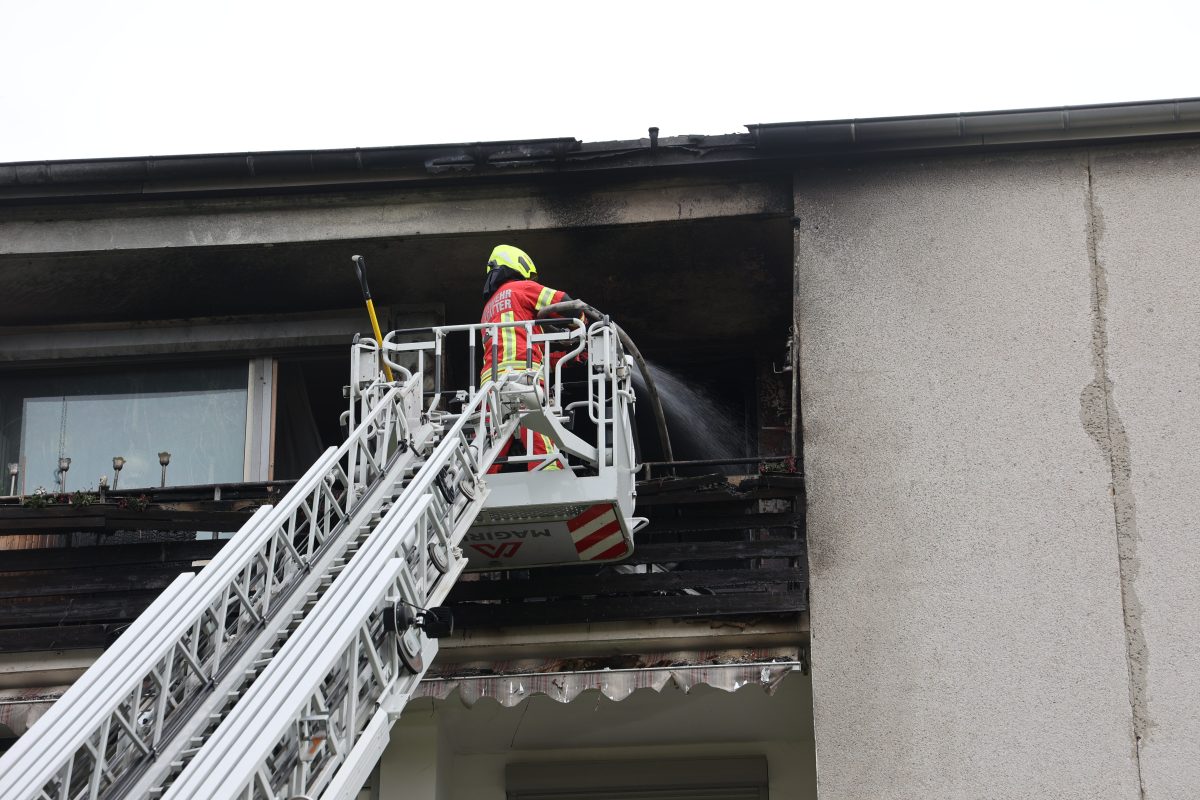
(360, 267)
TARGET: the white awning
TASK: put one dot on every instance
(564, 679)
(20, 708)
(510, 682)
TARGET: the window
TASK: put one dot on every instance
(197, 414)
(663, 779)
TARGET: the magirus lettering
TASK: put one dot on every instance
(499, 536)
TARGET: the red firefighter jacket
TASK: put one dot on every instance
(515, 301)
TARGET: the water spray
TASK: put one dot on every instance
(572, 307)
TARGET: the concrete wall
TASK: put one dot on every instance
(1000, 360)
(445, 751)
(1147, 203)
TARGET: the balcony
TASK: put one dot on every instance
(716, 546)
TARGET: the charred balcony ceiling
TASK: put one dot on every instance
(704, 261)
(712, 281)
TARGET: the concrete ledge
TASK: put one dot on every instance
(621, 638)
(182, 224)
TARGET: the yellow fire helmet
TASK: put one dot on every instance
(516, 259)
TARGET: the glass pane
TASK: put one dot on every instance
(198, 415)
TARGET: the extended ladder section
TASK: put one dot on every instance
(278, 670)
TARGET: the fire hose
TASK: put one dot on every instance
(571, 308)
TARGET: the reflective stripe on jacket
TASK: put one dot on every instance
(515, 301)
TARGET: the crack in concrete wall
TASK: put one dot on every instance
(1103, 424)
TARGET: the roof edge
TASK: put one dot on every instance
(1096, 122)
(306, 170)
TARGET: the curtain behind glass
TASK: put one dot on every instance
(197, 414)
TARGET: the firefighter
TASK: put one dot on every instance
(512, 294)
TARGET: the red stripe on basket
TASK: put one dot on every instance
(618, 549)
(595, 537)
(587, 516)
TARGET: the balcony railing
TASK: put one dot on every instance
(716, 546)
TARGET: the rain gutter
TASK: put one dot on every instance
(985, 129)
(382, 167)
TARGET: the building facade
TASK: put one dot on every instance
(974, 332)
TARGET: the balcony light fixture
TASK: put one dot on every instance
(64, 464)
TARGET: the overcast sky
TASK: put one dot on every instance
(95, 78)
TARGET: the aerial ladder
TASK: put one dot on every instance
(277, 671)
